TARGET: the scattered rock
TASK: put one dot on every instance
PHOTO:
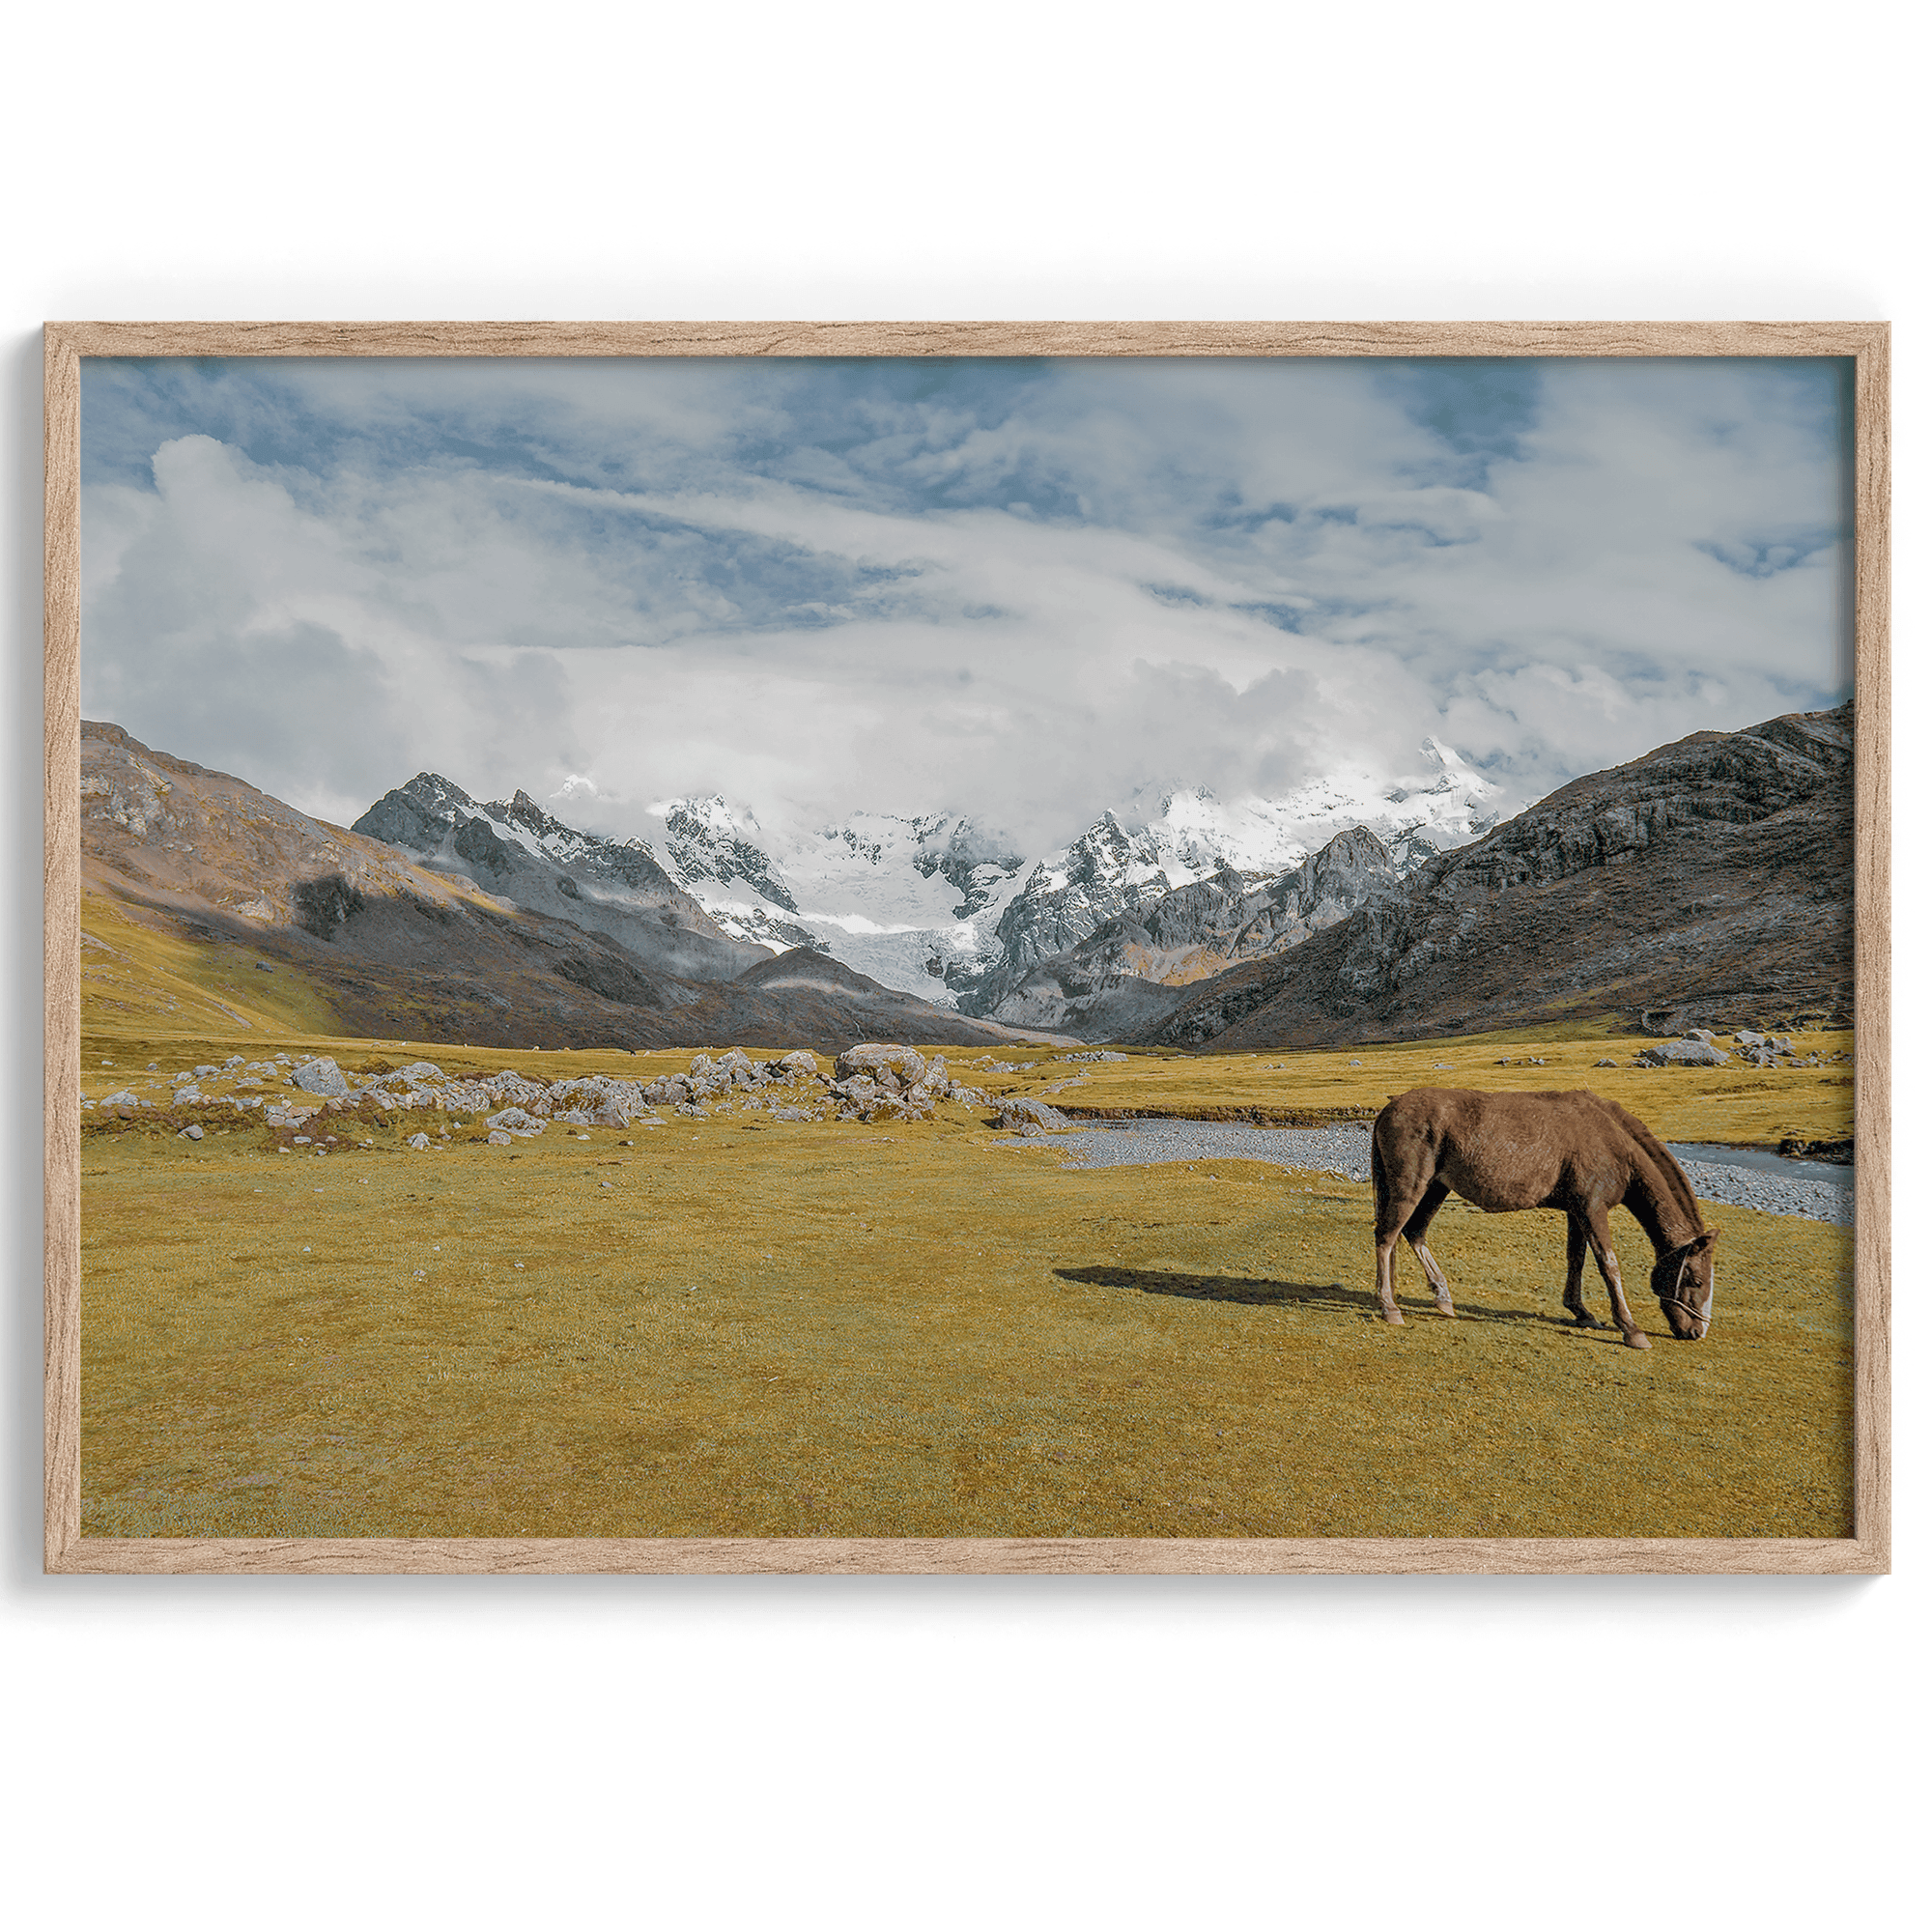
(499, 1138)
(512, 1120)
(419, 1142)
(1606, 1062)
(1685, 1052)
(1018, 1113)
(191, 1133)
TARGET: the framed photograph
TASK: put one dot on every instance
(982, 946)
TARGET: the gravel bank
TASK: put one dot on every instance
(1344, 1150)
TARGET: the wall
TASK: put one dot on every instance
(949, 1752)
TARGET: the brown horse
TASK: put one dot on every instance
(1577, 1152)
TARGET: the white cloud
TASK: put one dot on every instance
(801, 586)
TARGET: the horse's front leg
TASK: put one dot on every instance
(1573, 1287)
(1606, 1267)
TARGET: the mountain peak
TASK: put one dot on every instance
(438, 793)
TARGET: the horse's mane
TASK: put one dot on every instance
(1666, 1162)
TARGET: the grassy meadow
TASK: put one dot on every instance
(745, 1328)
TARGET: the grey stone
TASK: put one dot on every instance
(320, 1076)
(419, 1142)
(192, 1133)
(1018, 1113)
(906, 1067)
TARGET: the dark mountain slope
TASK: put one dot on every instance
(1709, 882)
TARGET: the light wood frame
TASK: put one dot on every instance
(1867, 1550)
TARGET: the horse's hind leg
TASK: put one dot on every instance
(1606, 1266)
(1573, 1287)
(1413, 1233)
(1395, 1208)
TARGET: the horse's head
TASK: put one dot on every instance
(1685, 1282)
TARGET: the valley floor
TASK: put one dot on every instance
(737, 1327)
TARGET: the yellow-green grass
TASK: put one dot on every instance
(793, 1329)
(1738, 1105)
(139, 981)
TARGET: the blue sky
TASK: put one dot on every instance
(1019, 589)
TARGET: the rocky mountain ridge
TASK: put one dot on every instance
(1708, 883)
(517, 852)
(1137, 965)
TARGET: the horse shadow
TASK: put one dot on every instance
(1255, 1291)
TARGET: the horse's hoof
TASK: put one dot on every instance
(1394, 1319)
(1443, 1309)
(1637, 1339)
(1584, 1320)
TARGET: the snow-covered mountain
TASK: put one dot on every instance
(936, 906)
